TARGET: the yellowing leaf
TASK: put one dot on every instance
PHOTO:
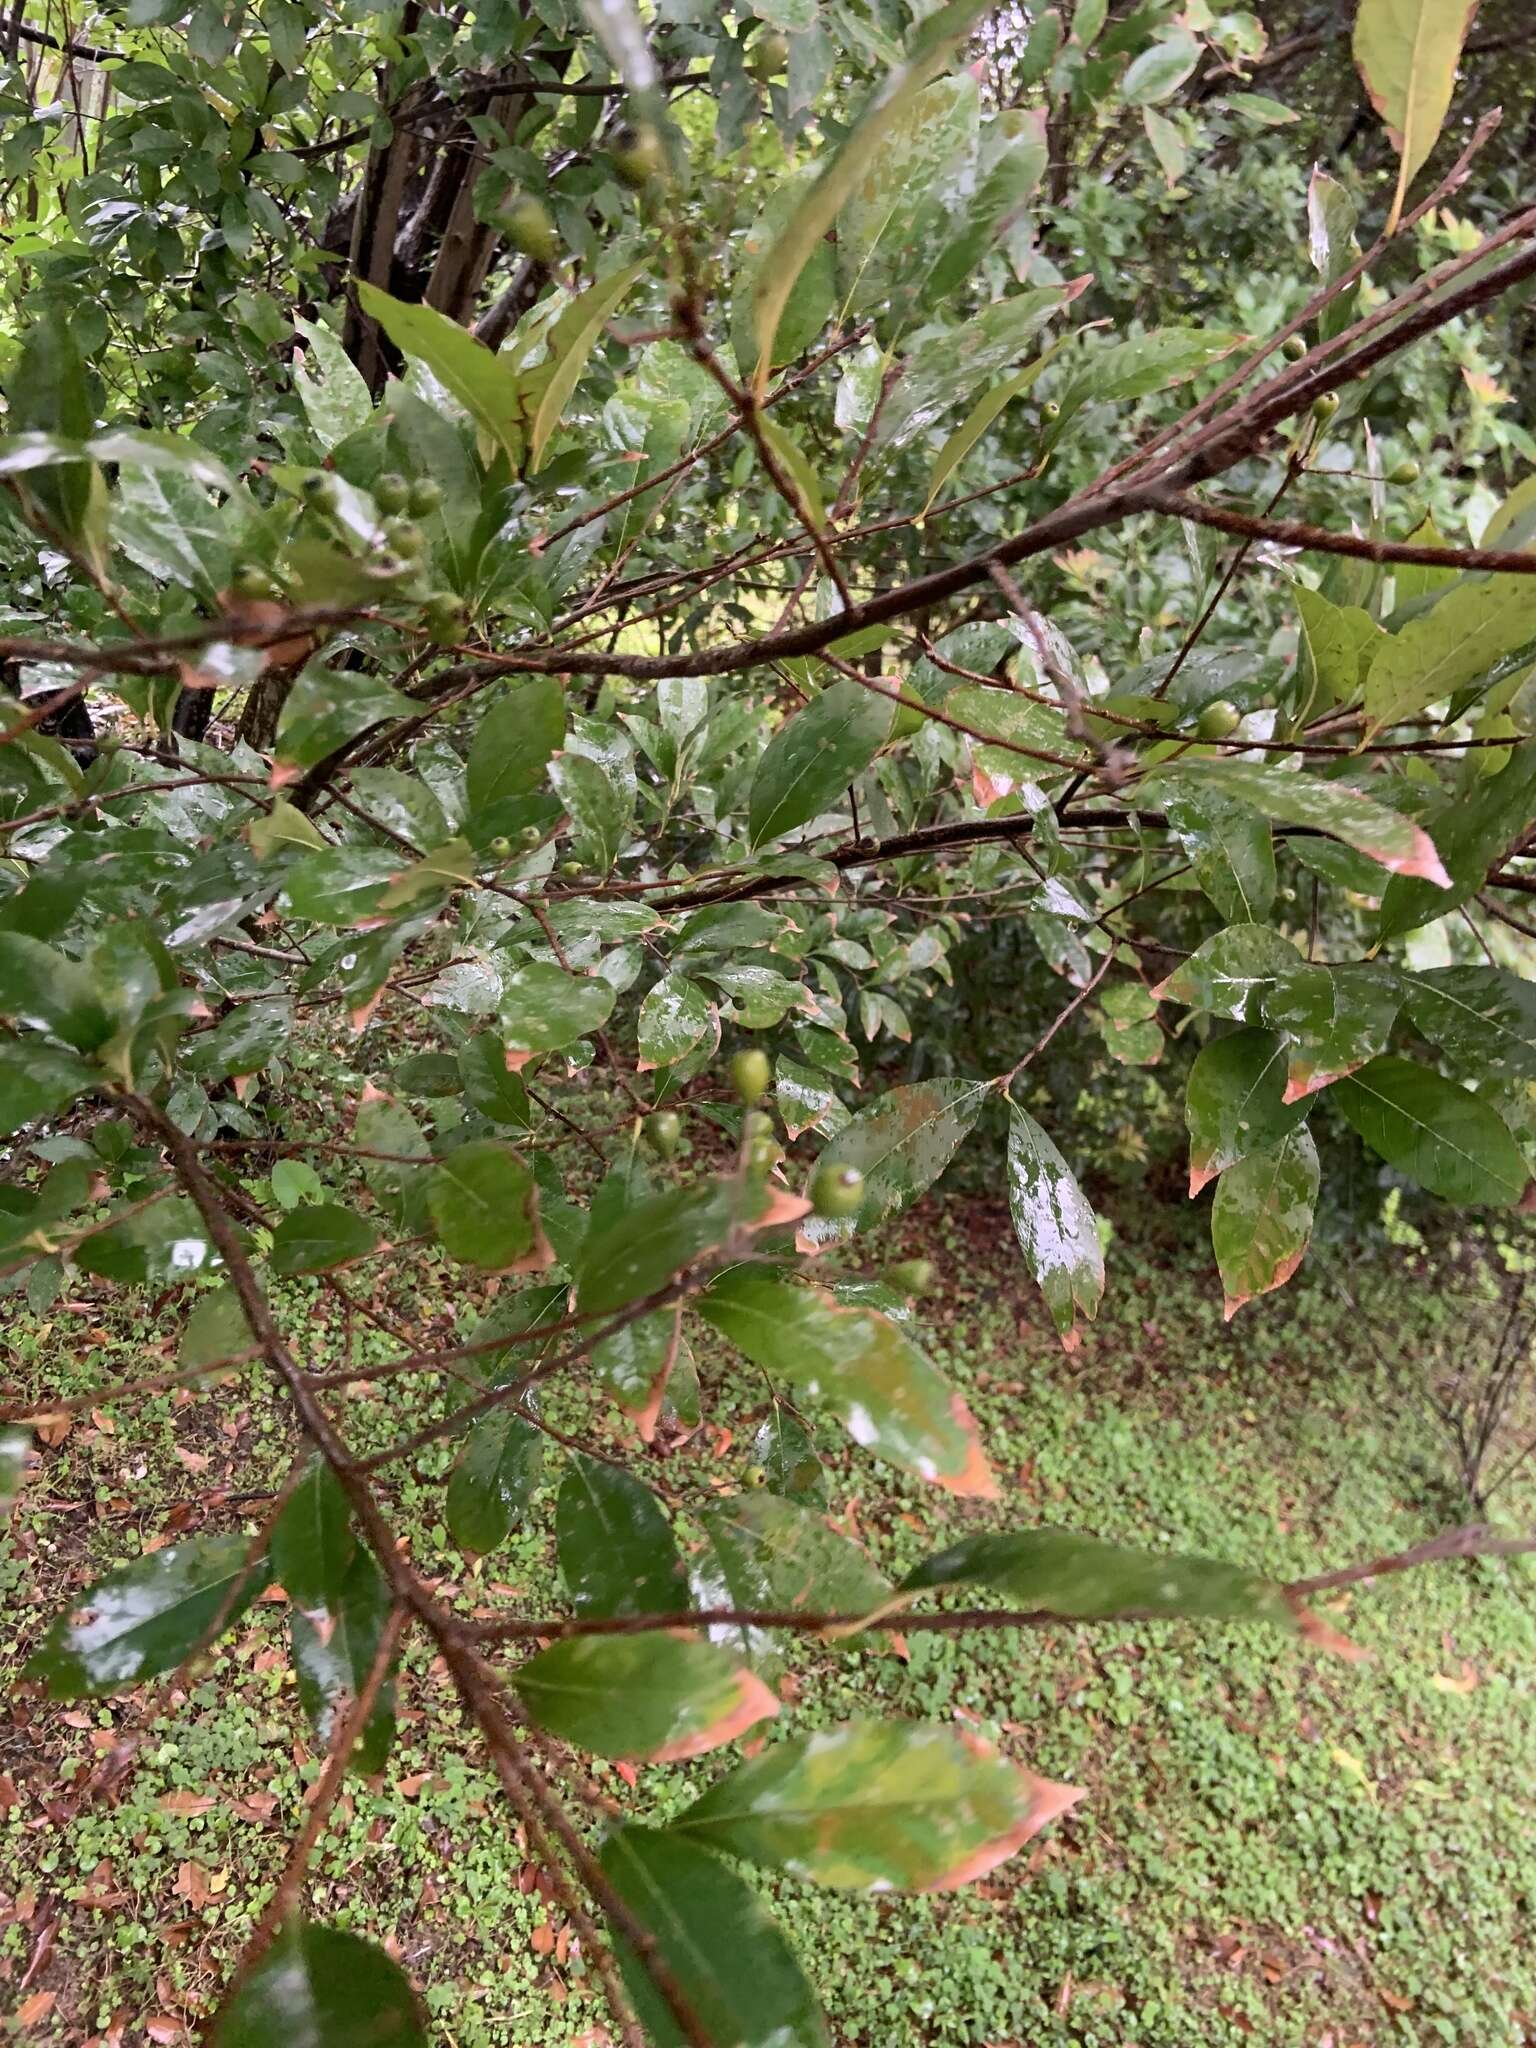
(1407, 52)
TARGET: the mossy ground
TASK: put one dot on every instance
(1277, 1847)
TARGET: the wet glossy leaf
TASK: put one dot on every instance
(675, 1017)
(732, 1965)
(600, 812)
(1232, 973)
(814, 756)
(877, 1805)
(333, 1652)
(654, 1238)
(616, 1549)
(1232, 851)
(543, 1007)
(216, 1328)
(571, 341)
(1333, 1020)
(1059, 1571)
(514, 742)
(787, 1452)
(1484, 1018)
(1055, 1226)
(1434, 1131)
(492, 1482)
(146, 1617)
(489, 1086)
(1447, 648)
(1235, 1102)
(901, 1144)
(38, 1080)
(241, 1043)
(1333, 808)
(321, 1987)
(484, 383)
(1338, 645)
(1474, 829)
(637, 1362)
(399, 1188)
(312, 1540)
(42, 989)
(658, 1697)
(484, 1206)
(1261, 1219)
(319, 1236)
(859, 1365)
(771, 1554)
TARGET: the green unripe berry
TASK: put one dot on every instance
(425, 497)
(1294, 347)
(251, 581)
(1218, 719)
(837, 1191)
(319, 490)
(406, 538)
(1050, 410)
(769, 57)
(444, 616)
(757, 1475)
(763, 1155)
(1405, 472)
(499, 847)
(911, 1276)
(529, 226)
(757, 1123)
(529, 835)
(1325, 405)
(571, 867)
(391, 492)
(663, 1130)
(751, 1074)
(639, 157)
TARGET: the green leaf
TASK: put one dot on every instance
(976, 422)
(641, 1249)
(1135, 369)
(1333, 1019)
(1333, 808)
(333, 1652)
(946, 369)
(543, 1007)
(493, 1480)
(877, 1805)
(1055, 1226)
(343, 885)
(600, 814)
(317, 1237)
(787, 1452)
(812, 295)
(1031, 739)
(42, 989)
(675, 1017)
(807, 226)
(489, 1086)
(38, 1080)
(813, 757)
(1261, 1219)
(1338, 645)
(1473, 830)
(1448, 648)
(1160, 69)
(495, 395)
(1230, 846)
(1083, 1578)
(337, 401)
(637, 1361)
(1236, 1103)
(858, 1364)
(901, 1144)
(398, 1188)
(243, 1042)
(326, 707)
(615, 1546)
(1407, 52)
(312, 1540)
(484, 1206)
(571, 341)
(772, 1554)
(321, 1987)
(657, 1697)
(1484, 1018)
(1232, 973)
(1434, 1131)
(147, 1617)
(216, 1329)
(732, 1966)
(514, 742)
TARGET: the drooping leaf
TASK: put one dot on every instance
(334, 1648)
(484, 1206)
(901, 1144)
(489, 1086)
(321, 1987)
(877, 1805)
(616, 1548)
(312, 1541)
(1236, 1103)
(638, 1360)
(571, 341)
(675, 1018)
(858, 1364)
(337, 400)
(811, 760)
(1085, 1578)
(493, 1480)
(146, 1617)
(732, 1965)
(599, 811)
(1473, 829)
(319, 1236)
(659, 1697)
(215, 1329)
(1407, 52)
(1261, 1219)
(1434, 1131)
(1055, 1226)
(786, 1450)
(485, 384)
